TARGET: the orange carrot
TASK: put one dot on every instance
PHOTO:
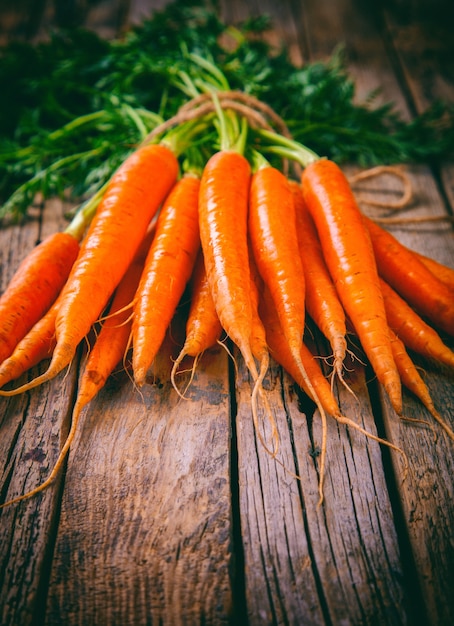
(282, 354)
(133, 196)
(276, 254)
(350, 259)
(442, 272)
(34, 287)
(203, 328)
(413, 381)
(416, 334)
(110, 347)
(223, 205)
(167, 271)
(37, 345)
(258, 334)
(260, 350)
(322, 301)
(401, 269)
(276, 251)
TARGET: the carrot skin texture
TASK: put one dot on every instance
(131, 200)
(280, 351)
(167, 270)
(408, 275)
(442, 272)
(223, 207)
(37, 345)
(203, 328)
(322, 302)
(113, 339)
(415, 333)
(413, 381)
(276, 250)
(34, 287)
(350, 259)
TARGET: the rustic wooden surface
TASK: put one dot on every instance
(170, 511)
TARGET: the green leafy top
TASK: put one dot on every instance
(78, 104)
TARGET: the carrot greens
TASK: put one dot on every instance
(87, 125)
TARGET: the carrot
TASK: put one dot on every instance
(442, 272)
(37, 345)
(350, 259)
(110, 347)
(401, 269)
(223, 206)
(413, 381)
(260, 350)
(203, 328)
(276, 251)
(34, 287)
(282, 354)
(322, 301)
(258, 334)
(133, 196)
(412, 329)
(167, 271)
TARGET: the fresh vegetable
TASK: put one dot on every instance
(322, 301)
(412, 380)
(34, 287)
(110, 348)
(351, 262)
(37, 345)
(223, 206)
(262, 252)
(116, 232)
(167, 270)
(203, 328)
(413, 330)
(401, 269)
(276, 255)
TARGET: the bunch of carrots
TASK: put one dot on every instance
(259, 248)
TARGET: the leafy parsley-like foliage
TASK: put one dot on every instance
(78, 104)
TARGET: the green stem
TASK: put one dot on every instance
(51, 168)
(213, 71)
(76, 123)
(84, 215)
(182, 137)
(258, 161)
(288, 148)
(135, 117)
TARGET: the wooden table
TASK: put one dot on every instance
(170, 511)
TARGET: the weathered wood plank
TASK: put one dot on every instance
(304, 563)
(427, 497)
(281, 586)
(31, 429)
(146, 526)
